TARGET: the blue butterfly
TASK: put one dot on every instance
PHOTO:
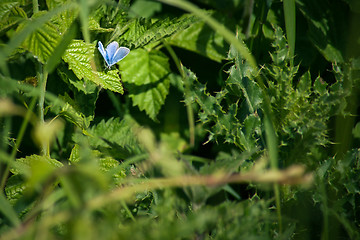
(113, 53)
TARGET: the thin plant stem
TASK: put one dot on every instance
(42, 76)
(18, 140)
(325, 230)
(127, 210)
(278, 205)
(190, 112)
(115, 102)
(84, 13)
(35, 6)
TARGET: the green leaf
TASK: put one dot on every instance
(144, 8)
(304, 85)
(10, 14)
(79, 55)
(28, 164)
(94, 25)
(146, 75)
(200, 38)
(15, 187)
(6, 7)
(106, 163)
(42, 42)
(140, 32)
(326, 28)
(110, 80)
(83, 85)
(241, 83)
(320, 86)
(290, 22)
(221, 117)
(55, 58)
(72, 113)
(114, 136)
(75, 154)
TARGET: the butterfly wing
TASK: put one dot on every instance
(120, 53)
(103, 52)
(110, 52)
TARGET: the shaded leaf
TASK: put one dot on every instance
(144, 8)
(200, 38)
(10, 14)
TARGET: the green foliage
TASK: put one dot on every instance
(78, 56)
(146, 75)
(11, 14)
(114, 137)
(198, 37)
(141, 31)
(302, 107)
(43, 41)
(217, 125)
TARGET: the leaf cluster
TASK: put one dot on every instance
(201, 132)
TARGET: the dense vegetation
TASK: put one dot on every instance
(229, 119)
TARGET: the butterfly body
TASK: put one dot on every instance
(113, 53)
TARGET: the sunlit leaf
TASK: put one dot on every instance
(146, 75)
(140, 32)
(42, 42)
(79, 55)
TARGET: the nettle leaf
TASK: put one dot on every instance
(106, 163)
(79, 57)
(94, 25)
(10, 14)
(114, 137)
(42, 42)
(146, 75)
(200, 38)
(28, 165)
(84, 85)
(139, 32)
(14, 189)
(6, 7)
(64, 20)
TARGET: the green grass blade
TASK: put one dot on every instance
(8, 211)
(55, 58)
(84, 15)
(290, 24)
